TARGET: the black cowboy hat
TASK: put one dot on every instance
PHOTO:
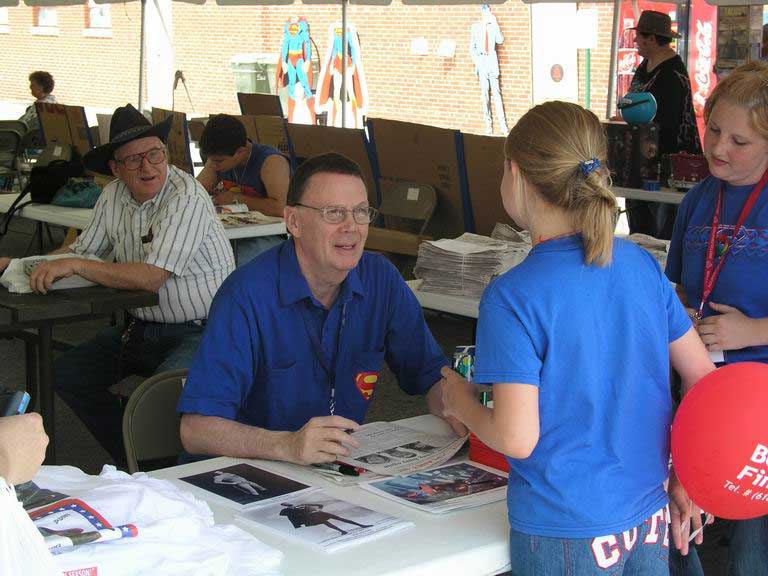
(656, 23)
(127, 124)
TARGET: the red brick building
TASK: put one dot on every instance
(93, 54)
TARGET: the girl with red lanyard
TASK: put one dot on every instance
(719, 252)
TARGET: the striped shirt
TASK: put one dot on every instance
(177, 230)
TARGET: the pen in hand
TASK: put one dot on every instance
(339, 468)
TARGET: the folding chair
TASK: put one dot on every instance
(150, 421)
(10, 148)
(406, 208)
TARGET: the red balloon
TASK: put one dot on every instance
(720, 441)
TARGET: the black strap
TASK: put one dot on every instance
(15, 207)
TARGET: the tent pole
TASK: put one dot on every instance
(610, 101)
(141, 56)
(343, 63)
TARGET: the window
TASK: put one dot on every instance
(46, 21)
(98, 15)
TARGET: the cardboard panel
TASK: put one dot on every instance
(309, 141)
(273, 131)
(484, 159)
(428, 155)
(250, 127)
(65, 125)
(178, 139)
(260, 104)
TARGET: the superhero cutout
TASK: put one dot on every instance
(329, 97)
(294, 71)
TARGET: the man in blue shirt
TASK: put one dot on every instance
(291, 355)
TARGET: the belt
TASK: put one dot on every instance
(136, 320)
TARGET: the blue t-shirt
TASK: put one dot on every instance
(267, 356)
(743, 279)
(595, 341)
(248, 178)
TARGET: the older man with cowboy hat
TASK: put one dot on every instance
(663, 74)
(165, 237)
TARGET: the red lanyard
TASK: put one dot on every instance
(711, 272)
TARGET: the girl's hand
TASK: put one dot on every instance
(456, 393)
(729, 330)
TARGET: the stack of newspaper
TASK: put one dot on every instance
(465, 265)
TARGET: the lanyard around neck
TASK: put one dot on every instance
(712, 271)
(317, 347)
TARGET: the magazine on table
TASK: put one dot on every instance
(451, 487)
(387, 448)
(243, 486)
(322, 521)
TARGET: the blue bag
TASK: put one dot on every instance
(77, 193)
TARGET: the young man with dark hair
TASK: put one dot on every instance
(291, 355)
(238, 171)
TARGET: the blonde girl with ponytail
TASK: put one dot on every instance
(577, 341)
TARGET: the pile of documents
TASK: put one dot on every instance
(465, 265)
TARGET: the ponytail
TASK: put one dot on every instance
(594, 211)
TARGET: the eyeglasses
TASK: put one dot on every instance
(133, 162)
(337, 214)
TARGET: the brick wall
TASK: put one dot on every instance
(103, 72)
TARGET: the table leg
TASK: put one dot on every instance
(45, 359)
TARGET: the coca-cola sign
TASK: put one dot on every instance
(702, 53)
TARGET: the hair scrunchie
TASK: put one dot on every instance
(589, 166)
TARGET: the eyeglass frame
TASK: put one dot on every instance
(142, 156)
(323, 210)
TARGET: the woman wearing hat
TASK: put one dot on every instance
(663, 74)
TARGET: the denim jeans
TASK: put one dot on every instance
(689, 565)
(748, 552)
(640, 551)
(84, 374)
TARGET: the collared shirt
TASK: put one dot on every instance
(177, 230)
(257, 363)
(30, 114)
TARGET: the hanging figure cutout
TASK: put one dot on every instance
(486, 34)
(329, 97)
(294, 71)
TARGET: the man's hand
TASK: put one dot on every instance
(729, 330)
(224, 197)
(685, 516)
(322, 439)
(4, 263)
(48, 272)
(22, 447)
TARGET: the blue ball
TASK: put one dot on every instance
(638, 107)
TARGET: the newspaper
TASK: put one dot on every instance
(452, 487)
(390, 449)
(237, 220)
(320, 520)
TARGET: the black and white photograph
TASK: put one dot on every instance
(319, 519)
(245, 485)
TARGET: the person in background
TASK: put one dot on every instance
(239, 171)
(41, 85)
(663, 74)
(577, 341)
(722, 226)
(291, 356)
(159, 226)
(22, 447)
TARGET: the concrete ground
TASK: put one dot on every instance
(75, 446)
